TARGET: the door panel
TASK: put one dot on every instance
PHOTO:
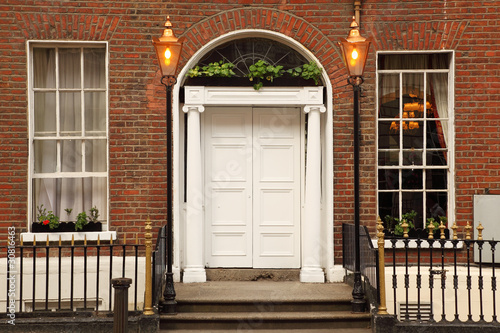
(276, 188)
(228, 187)
(252, 171)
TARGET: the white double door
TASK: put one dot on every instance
(253, 163)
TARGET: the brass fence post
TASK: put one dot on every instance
(382, 308)
(148, 308)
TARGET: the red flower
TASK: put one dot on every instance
(46, 222)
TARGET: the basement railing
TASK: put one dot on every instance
(368, 257)
(439, 281)
(45, 276)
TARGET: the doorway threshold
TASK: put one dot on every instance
(252, 274)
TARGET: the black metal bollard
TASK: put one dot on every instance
(120, 323)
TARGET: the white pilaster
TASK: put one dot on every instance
(311, 224)
(194, 269)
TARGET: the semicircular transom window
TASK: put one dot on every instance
(245, 52)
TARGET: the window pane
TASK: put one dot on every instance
(438, 83)
(412, 157)
(44, 68)
(437, 157)
(388, 204)
(388, 96)
(437, 133)
(436, 179)
(45, 114)
(45, 156)
(71, 113)
(71, 154)
(412, 179)
(94, 68)
(413, 134)
(69, 68)
(78, 194)
(437, 204)
(388, 157)
(388, 179)
(95, 156)
(95, 113)
(414, 201)
(387, 137)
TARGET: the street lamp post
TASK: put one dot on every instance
(354, 53)
(168, 51)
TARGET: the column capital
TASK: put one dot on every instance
(309, 108)
(199, 108)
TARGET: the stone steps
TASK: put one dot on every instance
(223, 306)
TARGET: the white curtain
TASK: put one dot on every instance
(76, 193)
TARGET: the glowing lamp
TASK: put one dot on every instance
(354, 51)
(168, 50)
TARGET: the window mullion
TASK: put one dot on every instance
(58, 114)
(82, 107)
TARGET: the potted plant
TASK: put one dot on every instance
(89, 222)
(262, 70)
(213, 69)
(307, 72)
(47, 220)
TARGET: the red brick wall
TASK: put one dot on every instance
(137, 100)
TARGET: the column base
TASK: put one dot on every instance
(336, 274)
(194, 275)
(312, 275)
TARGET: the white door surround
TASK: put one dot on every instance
(310, 99)
(334, 272)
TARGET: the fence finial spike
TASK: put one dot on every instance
(480, 229)
(468, 228)
(47, 242)
(73, 240)
(85, 240)
(60, 240)
(34, 240)
(441, 230)
(431, 227)
(454, 228)
(405, 226)
(21, 240)
(98, 240)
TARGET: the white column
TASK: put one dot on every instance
(194, 269)
(311, 225)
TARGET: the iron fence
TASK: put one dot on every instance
(368, 254)
(70, 277)
(441, 281)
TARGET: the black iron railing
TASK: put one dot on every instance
(159, 265)
(368, 254)
(442, 281)
(70, 277)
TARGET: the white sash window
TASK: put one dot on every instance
(68, 129)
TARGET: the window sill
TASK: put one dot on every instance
(29, 237)
(412, 244)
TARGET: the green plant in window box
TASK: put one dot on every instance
(262, 70)
(47, 217)
(408, 217)
(81, 221)
(307, 71)
(214, 69)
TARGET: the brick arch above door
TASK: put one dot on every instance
(292, 26)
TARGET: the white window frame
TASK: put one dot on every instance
(64, 236)
(451, 128)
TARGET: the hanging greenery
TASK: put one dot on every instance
(259, 72)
